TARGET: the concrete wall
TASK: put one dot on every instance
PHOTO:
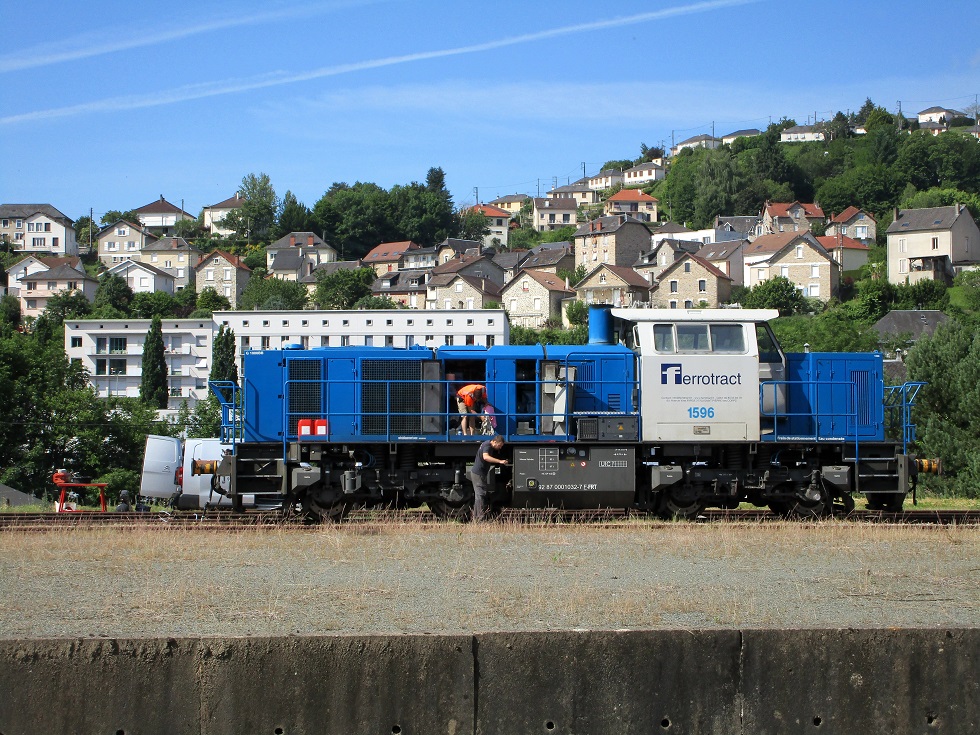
(693, 681)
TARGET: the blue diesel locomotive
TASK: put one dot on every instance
(667, 411)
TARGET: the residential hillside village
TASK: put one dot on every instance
(627, 235)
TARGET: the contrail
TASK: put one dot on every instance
(46, 55)
(215, 89)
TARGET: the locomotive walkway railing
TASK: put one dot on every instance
(229, 397)
(899, 402)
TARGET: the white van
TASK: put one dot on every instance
(168, 475)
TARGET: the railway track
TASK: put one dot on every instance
(229, 521)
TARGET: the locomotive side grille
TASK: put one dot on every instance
(388, 404)
(863, 392)
(588, 429)
(304, 399)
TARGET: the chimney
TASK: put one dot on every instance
(292, 240)
(309, 239)
(896, 214)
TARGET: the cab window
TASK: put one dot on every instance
(692, 338)
(663, 338)
(728, 338)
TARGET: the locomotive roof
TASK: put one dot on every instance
(741, 316)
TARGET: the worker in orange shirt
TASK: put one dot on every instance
(470, 399)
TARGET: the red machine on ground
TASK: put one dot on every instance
(64, 480)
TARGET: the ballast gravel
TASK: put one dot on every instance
(494, 577)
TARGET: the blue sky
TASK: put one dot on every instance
(110, 104)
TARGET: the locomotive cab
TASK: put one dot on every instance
(707, 375)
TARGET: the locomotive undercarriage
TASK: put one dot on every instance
(794, 480)
(324, 481)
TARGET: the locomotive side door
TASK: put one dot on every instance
(772, 367)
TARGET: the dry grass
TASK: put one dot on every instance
(486, 577)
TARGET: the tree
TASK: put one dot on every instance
(210, 300)
(293, 216)
(66, 305)
(775, 293)
(648, 154)
(617, 165)
(838, 128)
(273, 293)
(866, 109)
(472, 224)
(342, 288)
(153, 384)
(716, 187)
(155, 303)
(355, 218)
(577, 313)
(114, 215)
(255, 218)
(113, 292)
(378, 302)
(223, 363)
(879, 117)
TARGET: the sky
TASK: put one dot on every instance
(110, 104)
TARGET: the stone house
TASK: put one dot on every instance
(552, 260)
(854, 223)
(387, 256)
(297, 254)
(796, 256)
(653, 262)
(511, 261)
(610, 240)
(790, 217)
(613, 284)
(453, 247)
(728, 257)
(225, 273)
(533, 297)
(933, 243)
(457, 291)
(474, 266)
(403, 286)
(175, 256)
(691, 282)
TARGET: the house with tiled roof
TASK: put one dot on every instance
(510, 203)
(297, 254)
(475, 266)
(674, 230)
(453, 247)
(644, 173)
(498, 220)
(614, 284)
(175, 256)
(533, 297)
(606, 179)
(938, 115)
(801, 134)
(854, 223)
(796, 256)
(38, 288)
(847, 251)
(37, 228)
(225, 273)
(735, 135)
(122, 240)
(419, 258)
(552, 260)
(553, 214)
(386, 256)
(613, 240)
(790, 217)
(693, 282)
(580, 191)
(457, 291)
(738, 227)
(32, 267)
(216, 213)
(143, 277)
(510, 261)
(728, 257)
(160, 217)
(633, 203)
(403, 286)
(661, 256)
(698, 141)
(932, 243)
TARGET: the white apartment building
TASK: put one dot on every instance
(111, 351)
(263, 330)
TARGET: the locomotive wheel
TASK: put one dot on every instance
(452, 511)
(315, 512)
(802, 507)
(681, 504)
(842, 505)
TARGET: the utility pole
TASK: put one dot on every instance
(91, 214)
(554, 179)
(476, 193)
(583, 169)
